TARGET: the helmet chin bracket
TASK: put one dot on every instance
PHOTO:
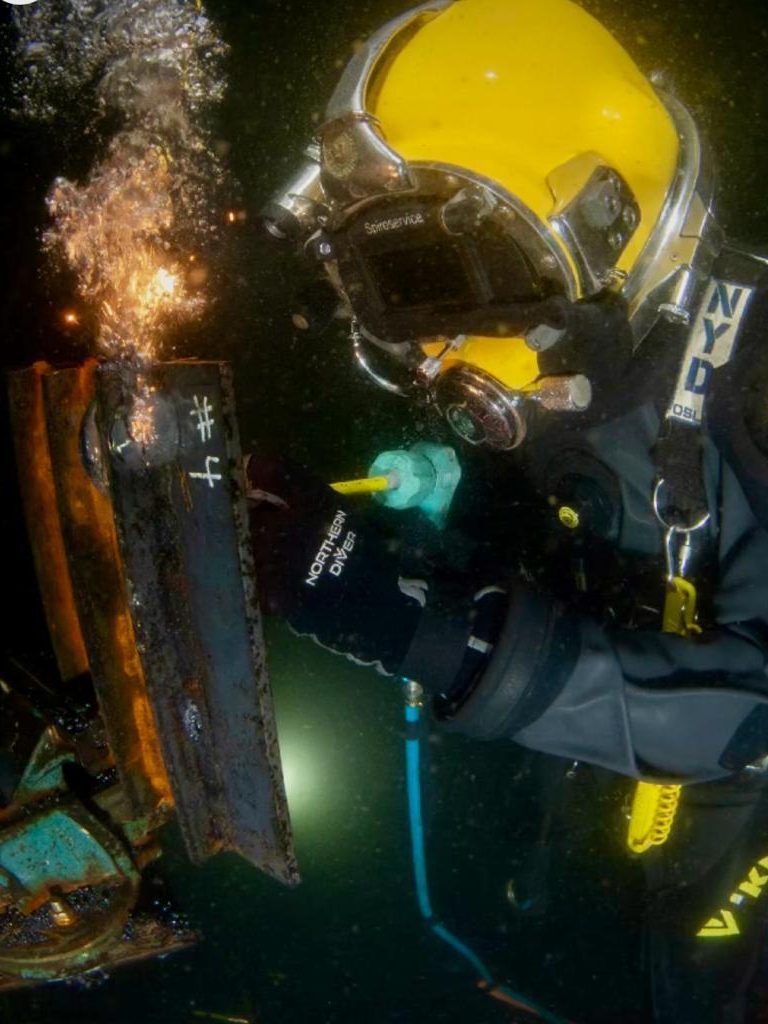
(362, 350)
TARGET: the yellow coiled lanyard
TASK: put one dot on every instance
(654, 805)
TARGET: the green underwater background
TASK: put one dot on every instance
(348, 944)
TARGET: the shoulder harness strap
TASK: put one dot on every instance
(710, 345)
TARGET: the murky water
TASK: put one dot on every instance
(177, 105)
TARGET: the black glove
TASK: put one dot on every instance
(338, 580)
(320, 568)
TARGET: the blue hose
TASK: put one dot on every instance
(413, 787)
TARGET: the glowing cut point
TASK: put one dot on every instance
(141, 422)
(166, 280)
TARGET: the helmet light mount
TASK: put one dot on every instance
(292, 213)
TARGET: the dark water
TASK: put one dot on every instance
(348, 944)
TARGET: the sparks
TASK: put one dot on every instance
(128, 228)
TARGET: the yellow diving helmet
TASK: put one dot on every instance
(487, 169)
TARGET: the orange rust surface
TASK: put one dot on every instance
(101, 597)
(38, 495)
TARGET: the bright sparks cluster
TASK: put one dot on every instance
(112, 231)
(132, 229)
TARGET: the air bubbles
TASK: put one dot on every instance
(150, 200)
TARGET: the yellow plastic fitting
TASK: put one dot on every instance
(365, 485)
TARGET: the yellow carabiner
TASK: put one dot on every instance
(680, 608)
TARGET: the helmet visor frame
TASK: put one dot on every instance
(453, 254)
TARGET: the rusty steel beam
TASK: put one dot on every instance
(38, 495)
(100, 596)
(174, 474)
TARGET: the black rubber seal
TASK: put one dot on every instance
(529, 666)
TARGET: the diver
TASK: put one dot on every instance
(520, 228)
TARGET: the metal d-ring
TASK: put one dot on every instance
(676, 566)
(674, 526)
